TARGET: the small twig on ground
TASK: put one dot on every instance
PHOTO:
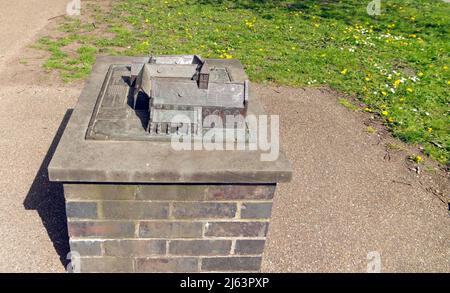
(56, 16)
(435, 192)
(401, 182)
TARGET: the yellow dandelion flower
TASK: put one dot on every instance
(316, 25)
(367, 79)
(368, 110)
(445, 67)
(384, 113)
(430, 130)
(416, 159)
(420, 74)
(344, 71)
(410, 90)
(448, 82)
(390, 119)
(397, 82)
(402, 99)
(383, 93)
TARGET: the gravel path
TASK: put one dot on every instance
(344, 201)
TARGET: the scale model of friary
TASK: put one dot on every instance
(190, 86)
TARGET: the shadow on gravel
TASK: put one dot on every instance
(47, 198)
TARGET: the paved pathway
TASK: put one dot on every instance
(31, 227)
(341, 204)
(345, 199)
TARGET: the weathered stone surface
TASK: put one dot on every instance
(250, 246)
(81, 210)
(200, 247)
(256, 210)
(134, 210)
(86, 247)
(181, 192)
(132, 247)
(170, 229)
(177, 265)
(236, 229)
(101, 229)
(203, 210)
(99, 191)
(236, 192)
(231, 264)
(106, 265)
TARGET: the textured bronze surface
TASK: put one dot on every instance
(125, 112)
(115, 117)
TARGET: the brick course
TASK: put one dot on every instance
(201, 210)
(256, 210)
(231, 264)
(172, 229)
(200, 247)
(168, 228)
(166, 265)
(101, 229)
(251, 246)
(134, 210)
(134, 247)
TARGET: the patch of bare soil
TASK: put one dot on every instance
(27, 68)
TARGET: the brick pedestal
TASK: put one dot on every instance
(135, 205)
(168, 228)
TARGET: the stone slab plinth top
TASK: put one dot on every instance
(80, 157)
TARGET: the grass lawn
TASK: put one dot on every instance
(396, 63)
